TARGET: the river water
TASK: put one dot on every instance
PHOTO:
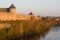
(52, 33)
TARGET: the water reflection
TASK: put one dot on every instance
(52, 33)
(55, 28)
(43, 34)
(30, 37)
(35, 36)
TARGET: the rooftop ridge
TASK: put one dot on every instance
(12, 6)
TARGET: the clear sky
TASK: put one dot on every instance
(38, 7)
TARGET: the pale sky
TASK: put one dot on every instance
(38, 7)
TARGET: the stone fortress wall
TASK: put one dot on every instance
(10, 14)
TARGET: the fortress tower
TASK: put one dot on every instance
(12, 9)
(10, 14)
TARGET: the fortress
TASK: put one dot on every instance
(10, 14)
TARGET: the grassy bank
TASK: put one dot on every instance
(13, 29)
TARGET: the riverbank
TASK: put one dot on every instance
(12, 29)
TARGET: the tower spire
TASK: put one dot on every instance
(12, 6)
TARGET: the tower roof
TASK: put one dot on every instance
(12, 6)
(30, 13)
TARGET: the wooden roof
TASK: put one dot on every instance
(12, 6)
(30, 13)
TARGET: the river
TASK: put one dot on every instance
(52, 33)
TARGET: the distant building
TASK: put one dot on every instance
(32, 16)
(30, 13)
